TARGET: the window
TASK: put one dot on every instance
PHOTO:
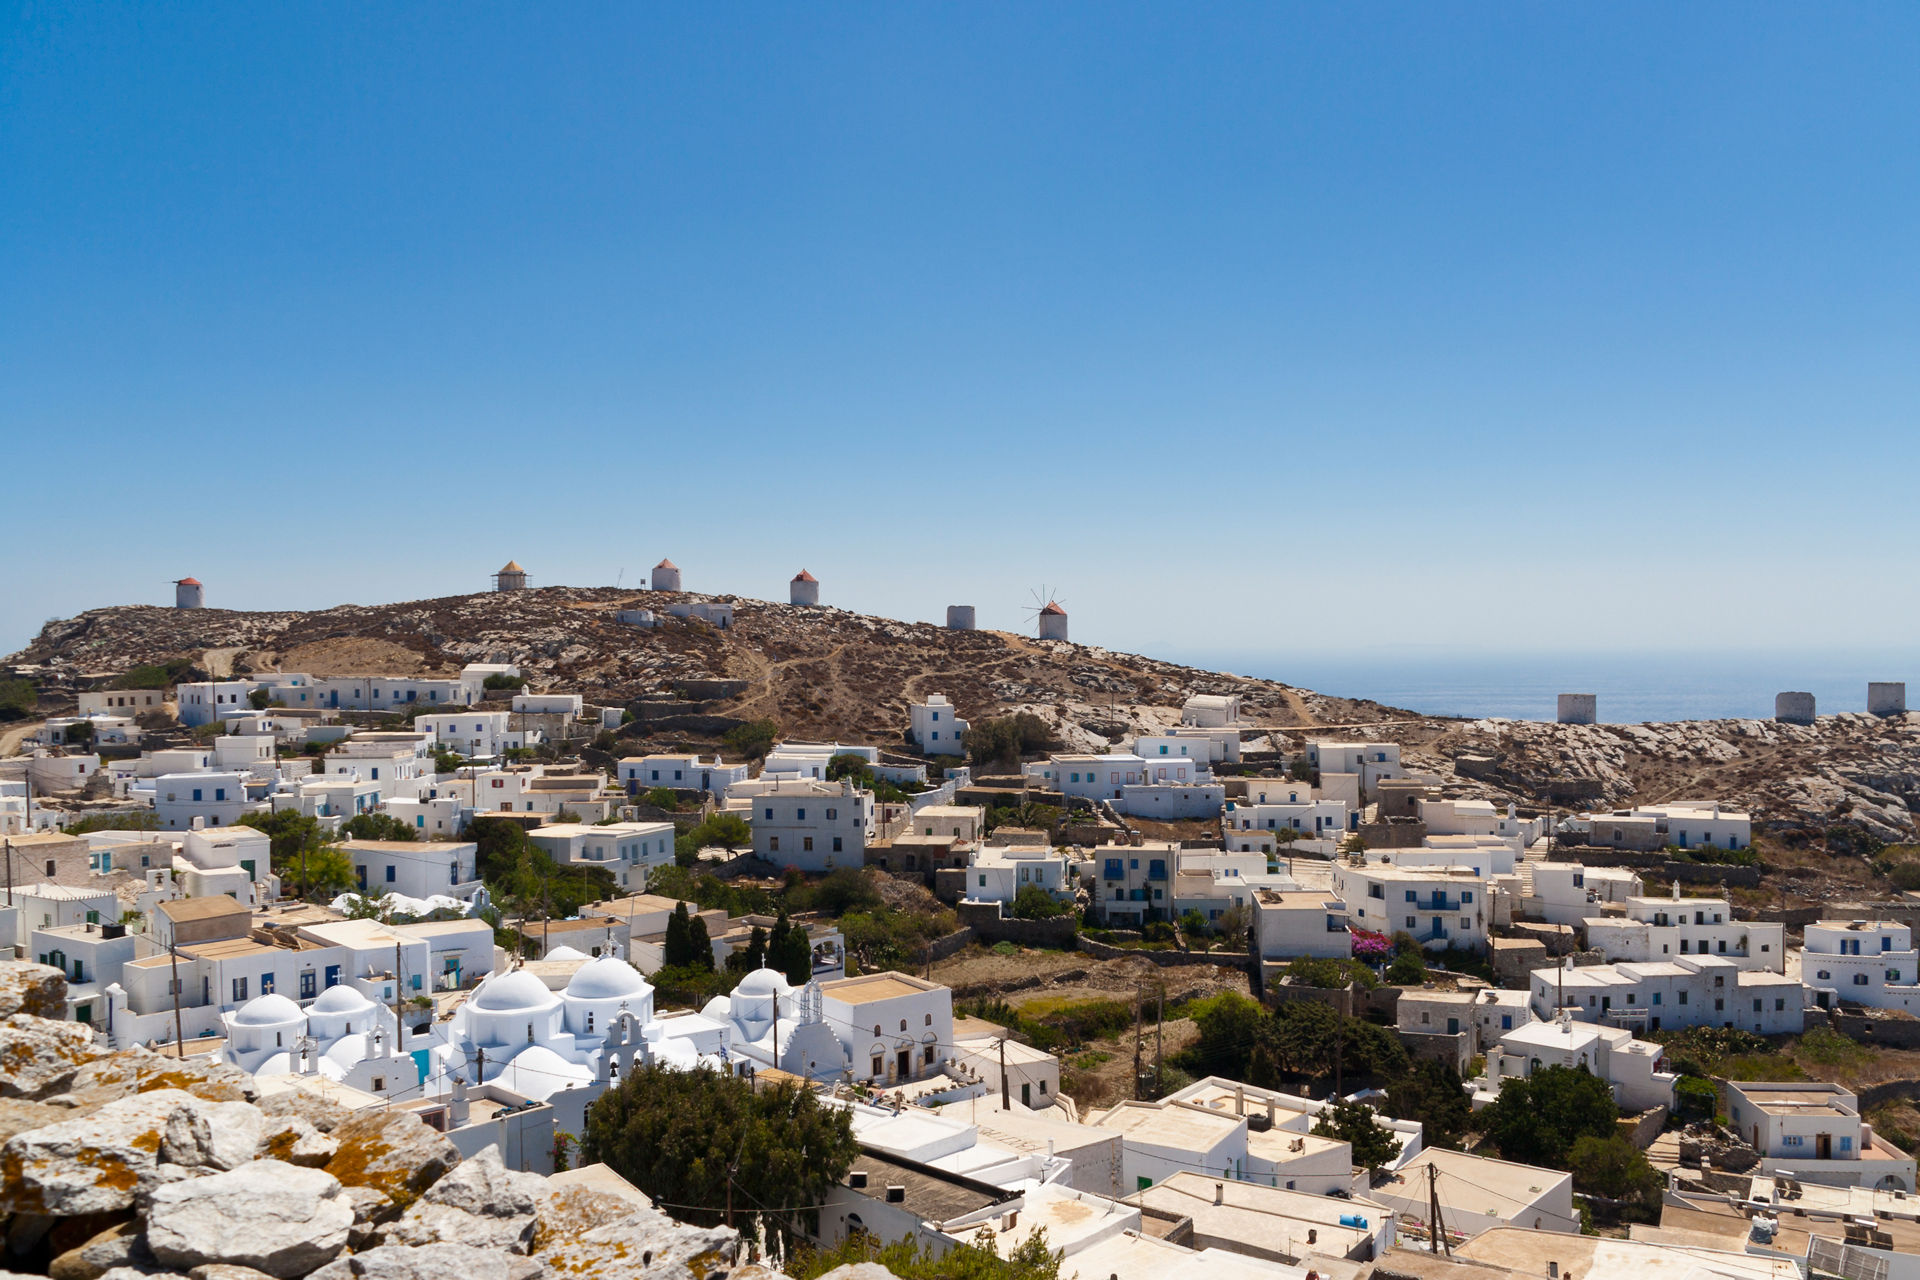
(1823, 975)
(773, 844)
(1859, 979)
(769, 815)
(806, 844)
(1846, 1143)
(239, 990)
(391, 869)
(1756, 1006)
(453, 873)
(1411, 922)
(1412, 896)
(799, 815)
(266, 984)
(1780, 1006)
(1791, 1140)
(196, 793)
(1683, 997)
(836, 844)
(833, 815)
(929, 1018)
(1656, 998)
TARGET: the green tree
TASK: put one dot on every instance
(849, 764)
(326, 870)
(686, 1137)
(662, 798)
(1035, 903)
(790, 950)
(1407, 969)
(1004, 742)
(1354, 1123)
(19, 699)
(753, 955)
(1433, 1094)
(1232, 1028)
(676, 950)
(260, 699)
(1613, 1167)
(377, 826)
(1538, 1119)
(699, 944)
(752, 739)
(1031, 1259)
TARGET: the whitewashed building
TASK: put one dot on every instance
(1662, 928)
(1704, 991)
(1864, 962)
(1440, 906)
(1813, 1132)
(936, 727)
(630, 851)
(815, 826)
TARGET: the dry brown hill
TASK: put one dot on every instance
(818, 672)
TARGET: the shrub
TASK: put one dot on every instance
(501, 680)
(1035, 903)
(752, 739)
(18, 699)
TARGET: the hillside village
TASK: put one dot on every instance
(338, 940)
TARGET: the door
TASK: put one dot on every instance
(1453, 1026)
(1436, 926)
(906, 1064)
(1823, 1146)
(1026, 1091)
(333, 975)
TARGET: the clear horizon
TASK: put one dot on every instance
(1273, 329)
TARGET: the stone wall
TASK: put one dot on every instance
(1454, 1050)
(1642, 1129)
(1165, 959)
(989, 924)
(1887, 1032)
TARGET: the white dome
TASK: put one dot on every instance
(607, 979)
(565, 953)
(538, 1072)
(266, 1011)
(512, 992)
(339, 998)
(763, 982)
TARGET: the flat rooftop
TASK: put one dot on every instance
(1793, 1100)
(1604, 1258)
(1475, 1183)
(930, 1193)
(874, 986)
(1169, 1124)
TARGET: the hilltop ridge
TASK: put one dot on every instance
(820, 672)
(827, 673)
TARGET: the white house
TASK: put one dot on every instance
(1864, 962)
(570, 705)
(1479, 1194)
(1211, 710)
(680, 773)
(211, 799)
(1172, 801)
(1160, 1139)
(1704, 991)
(1440, 906)
(1569, 893)
(1686, 824)
(895, 1027)
(1366, 763)
(1132, 884)
(414, 869)
(630, 851)
(936, 727)
(478, 735)
(203, 702)
(1636, 1069)
(1104, 777)
(1483, 1016)
(999, 872)
(815, 826)
(1660, 928)
(1292, 925)
(790, 760)
(1813, 1132)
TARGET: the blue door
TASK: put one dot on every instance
(333, 975)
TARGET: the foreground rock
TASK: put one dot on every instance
(481, 1203)
(649, 1243)
(274, 1217)
(121, 1245)
(92, 1164)
(123, 1073)
(39, 1058)
(430, 1262)
(36, 989)
(393, 1152)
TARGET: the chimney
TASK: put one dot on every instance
(457, 1110)
(1269, 1110)
(1219, 1192)
(1676, 898)
(1239, 1099)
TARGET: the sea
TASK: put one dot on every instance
(1631, 688)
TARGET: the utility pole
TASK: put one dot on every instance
(179, 1036)
(1436, 1229)
(1136, 1040)
(1159, 1033)
(1006, 1091)
(399, 1000)
(1340, 1048)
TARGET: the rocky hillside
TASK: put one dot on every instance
(819, 672)
(827, 673)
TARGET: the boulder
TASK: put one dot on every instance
(566, 1212)
(225, 1271)
(481, 1203)
(391, 1151)
(296, 1141)
(141, 1273)
(213, 1135)
(17, 1115)
(130, 1071)
(858, 1271)
(649, 1243)
(91, 1164)
(121, 1245)
(38, 989)
(273, 1217)
(430, 1262)
(321, 1112)
(40, 1057)
(371, 1210)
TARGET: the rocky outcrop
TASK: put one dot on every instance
(39, 1058)
(480, 1203)
(273, 1217)
(37, 989)
(392, 1152)
(431, 1262)
(156, 1182)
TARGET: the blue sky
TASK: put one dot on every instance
(1522, 328)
